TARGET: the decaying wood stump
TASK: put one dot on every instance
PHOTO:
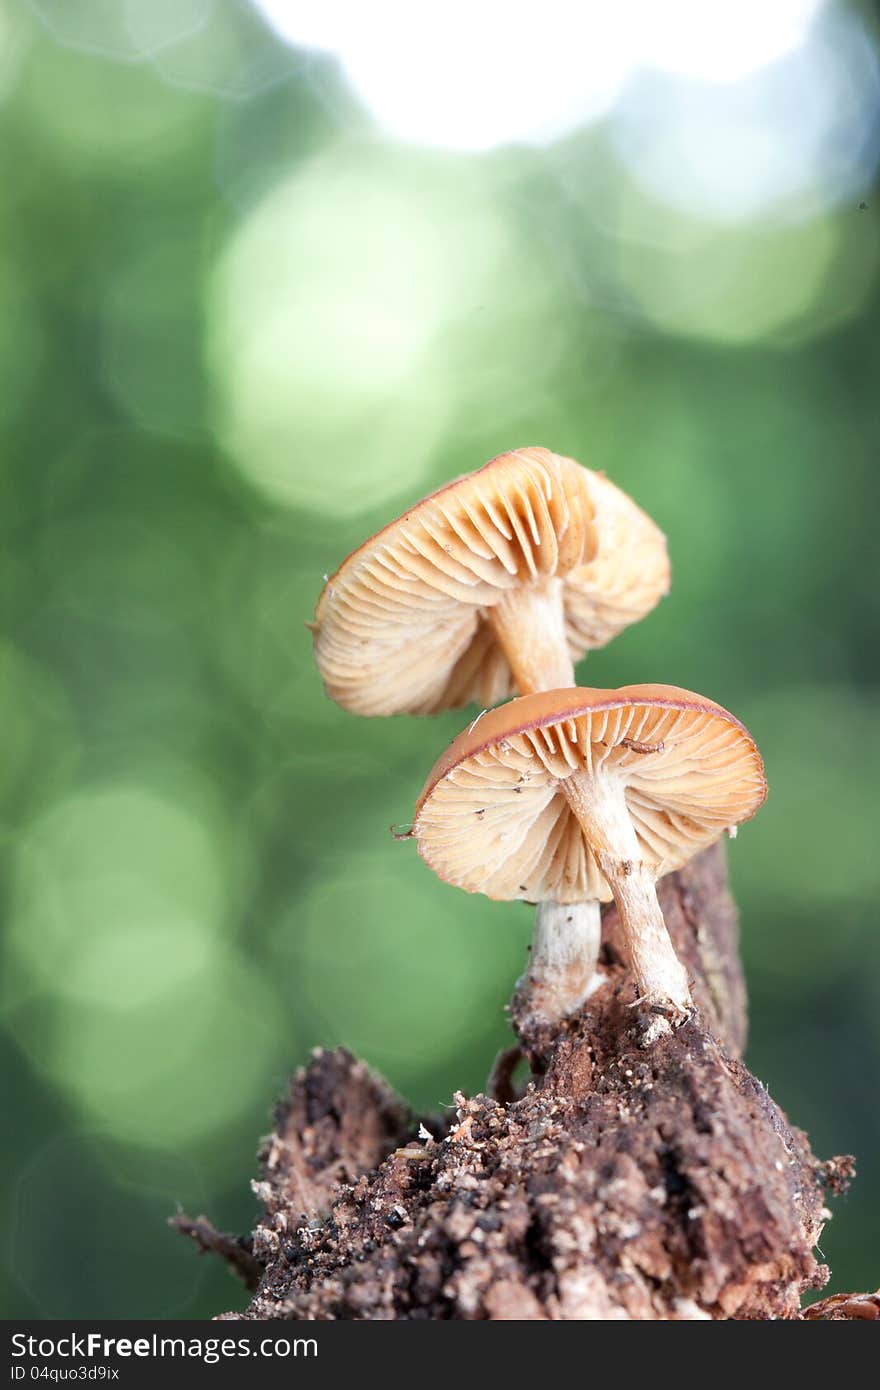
(625, 1182)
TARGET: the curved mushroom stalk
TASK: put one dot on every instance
(529, 623)
(599, 804)
(562, 970)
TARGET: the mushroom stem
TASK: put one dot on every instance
(600, 806)
(529, 623)
(562, 966)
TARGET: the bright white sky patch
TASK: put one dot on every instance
(714, 42)
(800, 134)
(472, 76)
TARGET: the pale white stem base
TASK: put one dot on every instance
(600, 806)
(562, 966)
(529, 623)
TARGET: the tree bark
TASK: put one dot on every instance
(625, 1182)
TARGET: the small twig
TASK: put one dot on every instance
(845, 1307)
(500, 1083)
(237, 1251)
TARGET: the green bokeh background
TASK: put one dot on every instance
(239, 330)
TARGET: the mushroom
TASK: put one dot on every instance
(571, 797)
(497, 582)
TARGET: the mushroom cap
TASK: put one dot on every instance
(401, 627)
(626, 578)
(493, 819)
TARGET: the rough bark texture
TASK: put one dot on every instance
(625, 1182)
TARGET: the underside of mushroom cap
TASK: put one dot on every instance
(493, 818)
(402, 626)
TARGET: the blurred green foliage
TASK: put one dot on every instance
(238, 332)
